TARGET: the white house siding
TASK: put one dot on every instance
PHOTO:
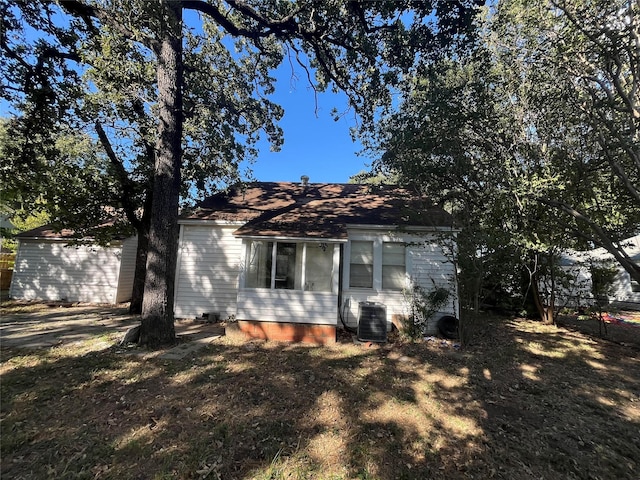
(207, 270)
(428, 264)
(576, 264)
(394, 303)
(50, 270)
(578, 292)
(295, 306)
(127, 270)
(623, 295)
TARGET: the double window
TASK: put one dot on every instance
(297, 266)
(363, 259)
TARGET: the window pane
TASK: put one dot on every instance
(259, 265)
(393, 277)
(286, 265)
(319, 266)
(393, 266)
(361, 276)
(361, 265)
(362, 253)
(393, 254)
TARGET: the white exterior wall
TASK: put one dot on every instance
(50, 270)
(293, 306)
(427, 263)
(207, 271)
(578, 294)
(127, 270)
(622, 294)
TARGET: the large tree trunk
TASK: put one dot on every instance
(157, 307)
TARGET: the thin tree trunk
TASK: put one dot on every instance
(137, 295)
(545, 312)
(157, 307)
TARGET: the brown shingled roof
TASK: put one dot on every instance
(51, 231)
(320, 210)
(46, 231)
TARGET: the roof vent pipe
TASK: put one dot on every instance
(305, 180)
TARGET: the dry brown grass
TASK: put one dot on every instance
(522, 401)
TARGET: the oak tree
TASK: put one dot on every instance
(190, 80)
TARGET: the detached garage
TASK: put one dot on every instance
(49, 266)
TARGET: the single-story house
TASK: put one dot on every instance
(295, 260)
(289, 261)
(624, 292)
(54, 266)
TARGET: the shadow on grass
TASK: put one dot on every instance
(524, 401)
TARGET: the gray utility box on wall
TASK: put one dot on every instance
(372, 322)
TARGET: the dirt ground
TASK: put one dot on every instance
(521, 401)
(622, 334)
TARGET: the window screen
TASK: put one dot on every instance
(259, 264)
(319, 267)
(393, 266)
(361, 264)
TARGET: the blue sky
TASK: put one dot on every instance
(314, 143)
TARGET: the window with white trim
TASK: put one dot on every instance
(297, 266)
(318, 267)
(393, 266)
(259, 262)
(361, 264)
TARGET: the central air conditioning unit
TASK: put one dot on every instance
(372, 322)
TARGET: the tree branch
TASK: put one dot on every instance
(604, 239)
(87, 12)
(223, 20)
(128, 188)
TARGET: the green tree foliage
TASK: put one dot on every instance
(576, 64)
(530, 139)
(177, 92)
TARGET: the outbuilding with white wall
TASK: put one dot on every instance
(53, 266)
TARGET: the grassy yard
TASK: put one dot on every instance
(523, 401)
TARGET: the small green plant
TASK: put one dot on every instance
(423, 306)
(603, 275)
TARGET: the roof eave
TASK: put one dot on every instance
(296, 239)
(203, 221)
(409, 228)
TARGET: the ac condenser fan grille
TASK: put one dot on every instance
(372, 322)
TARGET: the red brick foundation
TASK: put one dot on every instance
(289, 332)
